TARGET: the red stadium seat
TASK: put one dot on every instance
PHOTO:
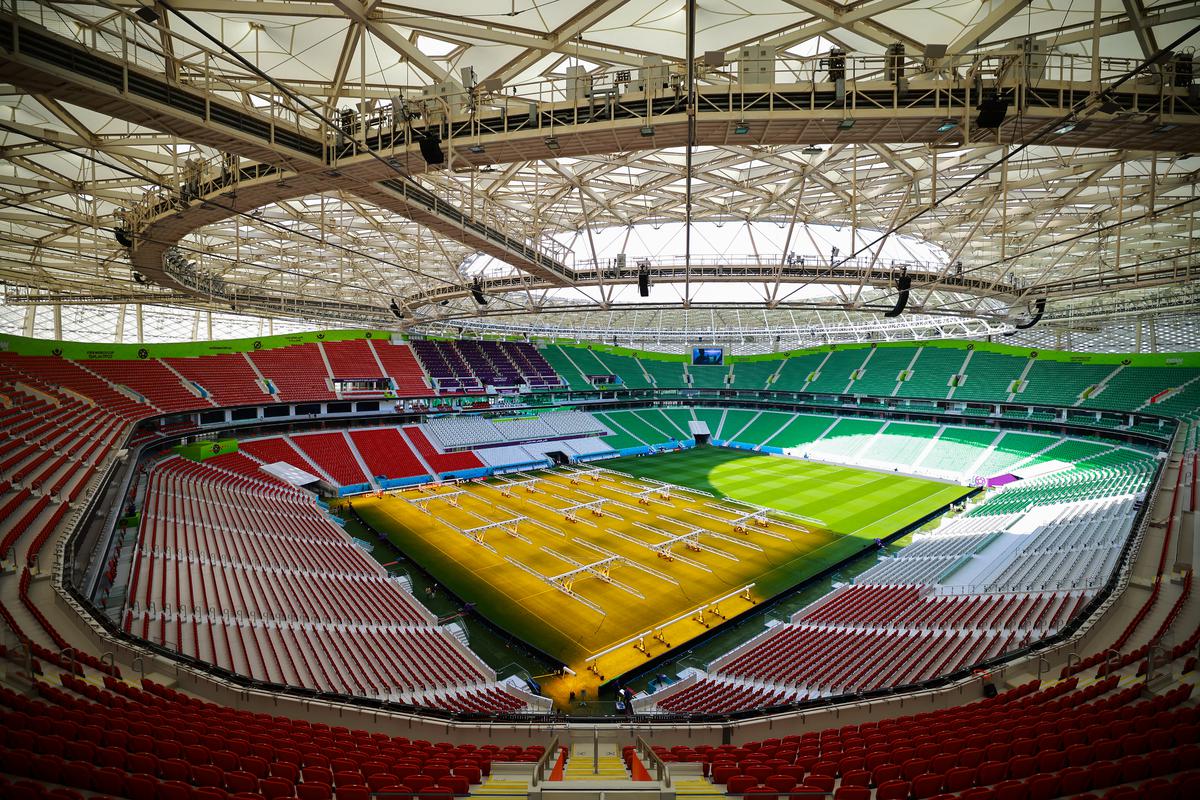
(893, 790)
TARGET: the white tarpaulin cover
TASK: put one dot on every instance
(289, 474)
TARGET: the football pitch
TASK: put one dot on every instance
(603, 569)
(852, 502)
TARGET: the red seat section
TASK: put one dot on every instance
(353, 358)
(237, 569)
(402, 367)
(275, 449)
(331, 452)
(441, 462)
(252, 753)
(298, 371)
(227, 377)
(151, 379)
(54, 372)
(386, 453)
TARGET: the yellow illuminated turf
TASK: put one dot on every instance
(606, 615)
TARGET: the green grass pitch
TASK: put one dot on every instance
(859, 505)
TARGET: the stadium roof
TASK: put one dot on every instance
(568, 164)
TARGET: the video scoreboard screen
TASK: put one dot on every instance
(708, 356)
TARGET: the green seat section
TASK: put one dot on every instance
(835, 374)
(1059, 383)
(1011, 448)
(803, 429)
(619, 439)
(1154, 428)
(753, 374)
(713, 417)
(795, 372)
(674, 420)
(989, 375)
(764, 427)
(845, 439)
(626, 367)
(931, 373)
(1183, 403)
(558, 358)
(1115, 459)
(735, 420)
(1132, 387)
(900, 443)
(1071, 451)
(708, 377)
(1087, 480)
(650, 431)
(666, 374)
(958, 448)
(883, 371)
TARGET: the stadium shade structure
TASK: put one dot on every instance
(268, 162)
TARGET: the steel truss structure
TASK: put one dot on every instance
(265, 158)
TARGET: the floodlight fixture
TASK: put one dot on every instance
(1066, 127)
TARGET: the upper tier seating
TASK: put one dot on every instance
(532, 365)
(795, 372)
(930, 374)
(353, 358)
(835, 373)
(489, 363)
(753, 374)
(708, 377)
(989, 376)
(53, 373)
(595, 362)
(882, 372)
(152, 380)
(566, 366)
(448, 370)
(332, 453)
(403, 368)
(1060, 383)
(298, 371)
(665, 374)
(227, 377)
(250, 575)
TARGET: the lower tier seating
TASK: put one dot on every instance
(154, 742)
(249, 574)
